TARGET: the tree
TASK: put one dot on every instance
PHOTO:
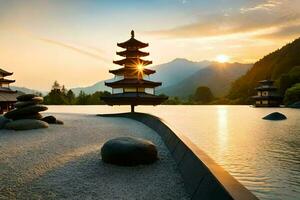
(55, 96)
(292, 95)
(82, 98)
(70, 97)
(203, 95)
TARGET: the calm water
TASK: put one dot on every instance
(263, 155)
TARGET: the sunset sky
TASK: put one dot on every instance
(74, 41)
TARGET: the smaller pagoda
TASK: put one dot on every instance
(267, 95)
(7, 96)
(131, 86)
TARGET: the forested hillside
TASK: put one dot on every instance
(272, 66)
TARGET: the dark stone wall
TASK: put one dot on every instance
(203, 178)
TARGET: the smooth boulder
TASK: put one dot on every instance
(26, 97)
(29, 116)
(275, 116)
(25, 111)
(3, 121)
(59, 122)
(26, 124)
(22, 104)
(129, 151)
(295, 105)
(49, 119)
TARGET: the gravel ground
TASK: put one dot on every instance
(63, 162)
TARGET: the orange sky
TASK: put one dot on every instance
(74, 42)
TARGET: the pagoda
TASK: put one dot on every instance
(7, 96)
(131, 86)
(267, 95)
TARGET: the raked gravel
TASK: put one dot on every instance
(63, 162)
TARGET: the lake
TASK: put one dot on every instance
(263, 155)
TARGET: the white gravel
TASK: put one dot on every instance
(63, 162)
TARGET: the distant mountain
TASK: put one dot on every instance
(217, 76)
(272, 66)
(177, 70)
(27, 90)
(169, 74)
(99, 86)
(181, 77)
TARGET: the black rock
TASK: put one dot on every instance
(26, 97)
(26, 124)
(128, 151)
(275, 116)
(3, 121)
(22, 104)
(295, 105)
(59, 122)
(37, 99)
(49, 119)
(28, 116)
(29, 110)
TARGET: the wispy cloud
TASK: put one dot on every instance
(267, 5)
(73, 48)
(259, 20)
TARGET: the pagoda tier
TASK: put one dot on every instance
(135, 90)
(4, 73)
(133, 83)
(3, 80)
(132, 53)
(132, 43)
(132, 62)
(7, 96)
(131, 71)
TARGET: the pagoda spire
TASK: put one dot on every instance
(132, 34)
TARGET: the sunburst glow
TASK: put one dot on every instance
(222, 58)
(140, 67)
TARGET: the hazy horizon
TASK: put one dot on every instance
(74, 42)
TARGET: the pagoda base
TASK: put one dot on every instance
(132, 98)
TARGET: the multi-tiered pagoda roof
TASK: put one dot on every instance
(132, 87)
(267, 95)
(7, 96)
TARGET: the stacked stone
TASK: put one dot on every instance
(27, 113)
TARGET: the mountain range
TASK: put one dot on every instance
(181, 77)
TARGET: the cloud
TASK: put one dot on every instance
(73, 48)
(292, 31)
(262, 18)
(267, 5)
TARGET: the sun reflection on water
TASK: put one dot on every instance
(222, 128)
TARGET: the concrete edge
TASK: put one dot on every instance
(203, 177)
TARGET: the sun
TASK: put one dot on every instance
(222, 58)
(140, 67)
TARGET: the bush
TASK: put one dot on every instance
(292, 94)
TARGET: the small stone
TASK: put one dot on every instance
(59, 122)
(38, 99)
(3, 121)
(26, 124)
(26, 97)
(25, 111)
(128, 151)
(295, 105)
(29, 116)
(22, 104)
(275, 116)
(49, 119)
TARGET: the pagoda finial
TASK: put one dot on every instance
(132, 34)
